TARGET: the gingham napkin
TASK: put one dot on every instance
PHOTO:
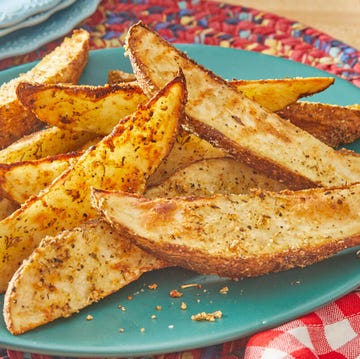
(331, 332)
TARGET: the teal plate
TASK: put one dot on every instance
(250, 305)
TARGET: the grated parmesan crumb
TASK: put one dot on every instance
(210, 317)
(175, 294)
(224, 290)
(152, 286)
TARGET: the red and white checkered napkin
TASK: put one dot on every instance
(331, 332)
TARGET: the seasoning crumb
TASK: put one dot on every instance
(210, 317)
(130, 297)
(89, 317)
(158, 307)
(224, 290)
(175, 294)
(183, 306)
(121, 330)
(122, 308)
(153, 316)
(171, 326)
(152, 286)
(142, 330)
(358, 253)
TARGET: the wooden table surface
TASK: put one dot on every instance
(338, 18)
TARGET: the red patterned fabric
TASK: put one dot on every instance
(332, 331)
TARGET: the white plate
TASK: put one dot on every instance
(37, 18)
(13, 11)
(59, 24)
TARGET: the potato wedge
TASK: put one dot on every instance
(224, 117)
(275, 94)
(239, 235)
(122, 160)
(333, 125)
(20, 180)
(95, 109)
(213, 175)
(47, 142)
(64, 64)
(70, 271)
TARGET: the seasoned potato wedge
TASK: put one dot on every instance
(76, 268)
(94, 109)
(64, 64)
(213, 175)
(20, 180)
(332, 124)
(218, 113)
(47, 142)
(122, 160)
(98, 108)
(275, 94)
(239, 235)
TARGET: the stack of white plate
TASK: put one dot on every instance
(26, 25)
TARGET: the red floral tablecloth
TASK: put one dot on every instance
(334, 330)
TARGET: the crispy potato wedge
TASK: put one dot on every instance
(332, 124)
(275, 94)
(213, 175)
(122, 160)
(20, 180)
(64, 64)
(70, 271)
(239, 235)
(97, 108)
(94, 109)
(47, 142)
(224, 117)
